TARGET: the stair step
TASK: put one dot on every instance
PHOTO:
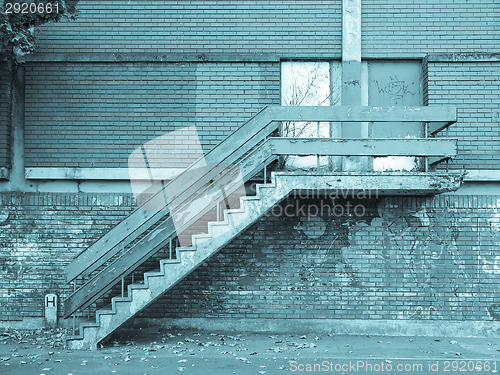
(153, 274)
(187, 248)
(105, 312)
(238, 217)
(137, 286)
(200, 238)
(169, 261)
(251, 198)
(120, 299)
(184, 249)
(217, 229)
(117, 301)
(234, 211)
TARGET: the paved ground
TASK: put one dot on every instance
(207, 353)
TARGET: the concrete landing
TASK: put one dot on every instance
(377, 183)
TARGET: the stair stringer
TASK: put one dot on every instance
(188, 259)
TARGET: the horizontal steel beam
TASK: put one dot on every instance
(442, 147)
(440, 114)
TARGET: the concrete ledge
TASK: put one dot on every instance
(41, 173)
(374, 183)
(463, 57)
(131, 57)
(482, 175)
(431, 328)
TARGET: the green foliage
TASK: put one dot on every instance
(17, 30)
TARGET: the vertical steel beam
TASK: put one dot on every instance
(351, 77)
(17, 179)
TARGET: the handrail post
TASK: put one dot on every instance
(74, 314)
(447, 159)
(123, 276)
(426, 135)
(317, 156)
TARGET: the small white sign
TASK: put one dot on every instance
(50, 303)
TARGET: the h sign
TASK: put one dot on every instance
(50, 310)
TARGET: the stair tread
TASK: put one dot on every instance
(171, 261)
(106, 312)
(121, 299)
(154, 274)
(187, 249)
(218, 224)
(138, 286)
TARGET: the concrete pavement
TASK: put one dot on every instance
(149, 351)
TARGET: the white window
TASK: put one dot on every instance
(309, 84)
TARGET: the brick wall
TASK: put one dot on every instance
(4, 115)
(408, 28)
(218, 26)
(406, 258)
(402, 258)
(39, 235)
(95, 115)
(474, 88)
(390, 28)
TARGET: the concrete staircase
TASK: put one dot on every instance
(173, 271)
(250, 148)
